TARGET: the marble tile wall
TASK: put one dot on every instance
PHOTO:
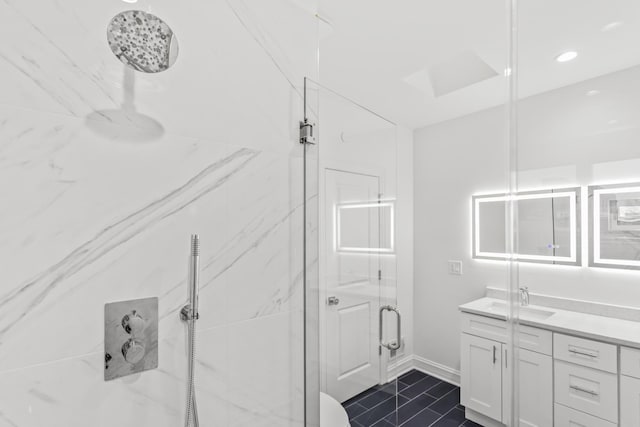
(104, 174)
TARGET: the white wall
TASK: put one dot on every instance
(452, 161)
(566, 138)
(98, 205)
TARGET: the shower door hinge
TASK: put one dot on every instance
(307, 135)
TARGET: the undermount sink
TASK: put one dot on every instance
(524, 312)
(535, 313)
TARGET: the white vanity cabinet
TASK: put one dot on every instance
(536, 386)
(481, 376)
(587, 390)
(629, 401)
(629, 387)
(566, 378)
(586, 376)
(567, 417)
(485, 372)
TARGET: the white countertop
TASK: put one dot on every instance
(601, 328)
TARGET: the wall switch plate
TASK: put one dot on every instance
(455, 268)
(130, 337)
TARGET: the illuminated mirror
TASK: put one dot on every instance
(548, 226)
(615, 226)
(365, 227)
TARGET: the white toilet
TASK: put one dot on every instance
(332, 414)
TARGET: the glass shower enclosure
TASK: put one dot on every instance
(576, 123)
(352, 180)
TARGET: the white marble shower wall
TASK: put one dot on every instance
(104, 174)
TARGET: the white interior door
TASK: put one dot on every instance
(352, 298)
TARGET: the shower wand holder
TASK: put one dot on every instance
(187, 313)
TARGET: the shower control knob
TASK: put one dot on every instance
(133, 323)
(133, 351)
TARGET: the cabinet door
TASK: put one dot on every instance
(629, 402)
(507, 394)
(481, 376)
(535, 398)
(535, 372)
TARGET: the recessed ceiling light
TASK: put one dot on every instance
(611, 26)
(567, 56)
(593, 92)
(130, 1)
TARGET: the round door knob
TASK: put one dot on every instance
(133, 323)
(133, 351)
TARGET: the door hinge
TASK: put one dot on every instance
(307, 135)
(379, 274)
(379, 350)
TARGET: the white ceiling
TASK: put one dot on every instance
(375, 44)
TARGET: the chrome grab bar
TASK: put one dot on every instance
(390, 346)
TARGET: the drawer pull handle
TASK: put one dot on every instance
(582, 353)
(494, 355)
(584, 390)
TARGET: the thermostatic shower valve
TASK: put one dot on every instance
(130, 337)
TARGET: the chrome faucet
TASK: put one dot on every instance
(524, 296)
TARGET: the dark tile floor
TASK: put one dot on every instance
(423, 401)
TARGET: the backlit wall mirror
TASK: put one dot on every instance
(614, 215)
(365, 227)
(547, 226)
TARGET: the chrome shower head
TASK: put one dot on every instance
(142, 41)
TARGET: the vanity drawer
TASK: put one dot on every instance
(630, 362)
(485, 327)
(534, 339)
(587, 390)
(567, 417)
(593, 354)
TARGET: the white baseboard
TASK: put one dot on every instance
(481, 419)
(400, 366)
(438, 370)
(435, 369)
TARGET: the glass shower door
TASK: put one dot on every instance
(578, 124)
(359, 324)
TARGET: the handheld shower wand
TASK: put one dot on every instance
(190, 311)
(189, 314)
